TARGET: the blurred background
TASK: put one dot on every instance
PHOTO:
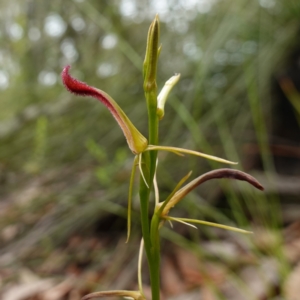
(65, 164)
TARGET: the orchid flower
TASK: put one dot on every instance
(136, 141)
(178, 194)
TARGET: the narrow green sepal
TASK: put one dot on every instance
(135, 162)
(212, 224)
(182, 151)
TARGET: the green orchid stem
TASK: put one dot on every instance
(151, 235)
(144, 193)
(152, 250)
(153, 121)
(155, 257)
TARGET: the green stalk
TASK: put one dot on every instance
(151, 235)
(155, 259)
(144, 193)
(153, 131)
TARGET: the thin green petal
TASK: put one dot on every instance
(208, 224)
(135, 161)
(186, 151)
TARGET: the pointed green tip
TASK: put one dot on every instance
(151, 57)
